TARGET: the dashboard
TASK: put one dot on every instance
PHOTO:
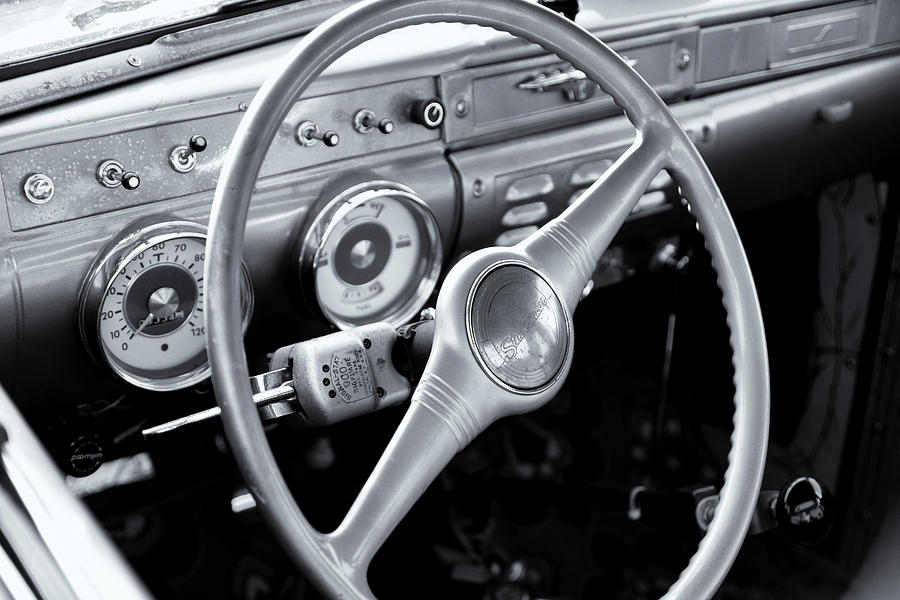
(408, 153)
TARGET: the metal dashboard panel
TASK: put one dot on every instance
(73, 165)
(815, 33)
(494, 102)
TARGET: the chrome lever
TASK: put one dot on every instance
(269, 388)
(570, 81)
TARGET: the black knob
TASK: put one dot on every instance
(804, 511)
(197, 143)
(85, 455)
(386, 126)
(130, 180)
(429, 113)
(77, 451)
(331, 138)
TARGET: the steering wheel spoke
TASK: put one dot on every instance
(568, 247)
(438, 424)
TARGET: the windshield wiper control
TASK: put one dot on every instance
(332, 378)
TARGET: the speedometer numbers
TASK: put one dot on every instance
(372, 254)
(143, 302)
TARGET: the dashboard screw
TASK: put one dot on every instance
(367, 343)
(243, 106)
(461, 105)
(478, 188)
(332, 393)
(379, 392)
(684, 59)
(325, 368)
(326, 382)
(134, 60)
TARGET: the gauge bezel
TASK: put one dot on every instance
(323, 225)
(101, 276)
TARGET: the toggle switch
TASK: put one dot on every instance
(365, 121)
(111, 174)
(184, 158)
(308, 133)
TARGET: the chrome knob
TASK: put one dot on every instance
(804, 510)
(38, 188)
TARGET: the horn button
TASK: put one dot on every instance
(518, 328)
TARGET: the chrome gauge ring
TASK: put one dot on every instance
(372, 254)
(141, 306)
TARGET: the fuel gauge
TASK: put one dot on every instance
(372, 254)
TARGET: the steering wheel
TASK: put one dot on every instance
(503, 338)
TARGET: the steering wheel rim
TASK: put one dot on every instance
(562, 254)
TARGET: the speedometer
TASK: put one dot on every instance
(142, 306)
(372, 254)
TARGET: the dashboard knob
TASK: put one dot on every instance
(197, 143)
(39, 188)
(428, 113)
(386, 126)
(130, 180)
(77, 451)
(804, 510)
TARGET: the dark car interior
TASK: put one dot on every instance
(406, 157)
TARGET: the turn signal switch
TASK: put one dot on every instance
(308, 134)
(111, 174)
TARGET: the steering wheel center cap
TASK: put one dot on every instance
(518, 328)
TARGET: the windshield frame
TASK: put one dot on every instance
(71, 52)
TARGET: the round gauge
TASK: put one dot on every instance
(372, 254)
(142, 306)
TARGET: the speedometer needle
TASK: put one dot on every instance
(144, 323)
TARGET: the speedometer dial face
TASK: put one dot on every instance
(149, 301)
(151, 318)
(373, 254)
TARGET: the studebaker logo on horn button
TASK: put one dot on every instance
(518, 327)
